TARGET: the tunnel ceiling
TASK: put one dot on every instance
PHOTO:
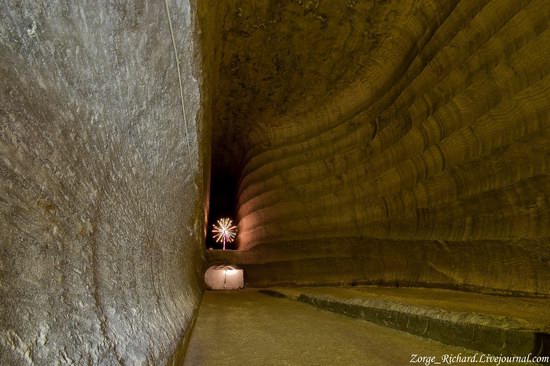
(279, 57)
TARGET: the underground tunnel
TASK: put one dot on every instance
(386, 165)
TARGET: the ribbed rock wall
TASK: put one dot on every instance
(103, 189)
(430, 166)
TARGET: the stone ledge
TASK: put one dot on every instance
(487, 333)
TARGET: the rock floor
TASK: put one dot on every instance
(250, 328)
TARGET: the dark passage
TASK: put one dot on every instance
(223, 192)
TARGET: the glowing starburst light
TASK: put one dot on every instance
(224, 231)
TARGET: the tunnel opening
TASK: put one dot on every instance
(228, 150)
(223, 202)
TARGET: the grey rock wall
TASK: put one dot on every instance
(102, 181)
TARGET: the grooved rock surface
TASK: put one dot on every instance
(102, 187)
(416, 129)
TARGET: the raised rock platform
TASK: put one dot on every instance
(491, 324)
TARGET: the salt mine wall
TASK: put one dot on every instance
(103, 149)
(425, 163)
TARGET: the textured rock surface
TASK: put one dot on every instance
(251, 328)
(102, 181)
(394, 141)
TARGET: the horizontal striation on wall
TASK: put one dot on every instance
(444, 135)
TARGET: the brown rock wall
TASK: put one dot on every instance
(441, 135)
